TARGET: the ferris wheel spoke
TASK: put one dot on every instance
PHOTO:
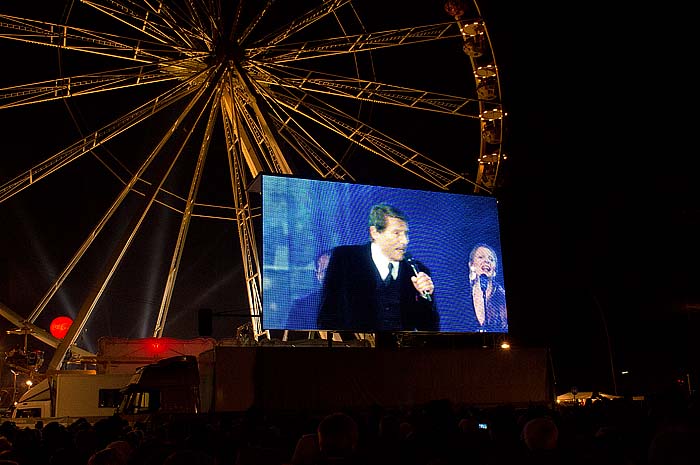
(198, 23)
(310, 17)
(242, 106)
(83, 40)
(281, 53)
(73, 86)
(313, 153)
(372, 91)
(256, 132)
(187, 214)
(96, 139)
(244, 215)
(374, 141)
(164, 24)
(305, 144)
(204, 18)
(236, 18)
(254, 23)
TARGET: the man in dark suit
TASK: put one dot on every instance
(372, 287)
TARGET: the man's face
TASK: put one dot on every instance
(484, 262)
(393, 240)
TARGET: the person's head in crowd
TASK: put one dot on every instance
(123, 447)
(107, 457)
(306, 450)
(337, 435)
(8, 429)
(540, 434)
(5, 444)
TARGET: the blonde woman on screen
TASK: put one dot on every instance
(487, 298)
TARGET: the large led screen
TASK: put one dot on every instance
(320, 271)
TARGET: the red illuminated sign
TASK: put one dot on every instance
(59, 326)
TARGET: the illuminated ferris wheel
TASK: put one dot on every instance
(334, 89)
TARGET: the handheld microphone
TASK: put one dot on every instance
(483, 282)
(409, 260)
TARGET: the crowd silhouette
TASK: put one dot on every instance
(662, 430)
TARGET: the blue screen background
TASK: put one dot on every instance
(302, 217)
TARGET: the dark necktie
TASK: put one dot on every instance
(389, 277)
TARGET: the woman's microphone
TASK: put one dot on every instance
(484, 283)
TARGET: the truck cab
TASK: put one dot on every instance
(35, 403)
(169, 386)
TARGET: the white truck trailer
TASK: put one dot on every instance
(72, 394)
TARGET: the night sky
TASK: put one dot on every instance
(598, 204)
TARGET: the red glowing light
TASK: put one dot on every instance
(155, 346)
(59, 326)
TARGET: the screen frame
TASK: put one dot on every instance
(424, 236)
